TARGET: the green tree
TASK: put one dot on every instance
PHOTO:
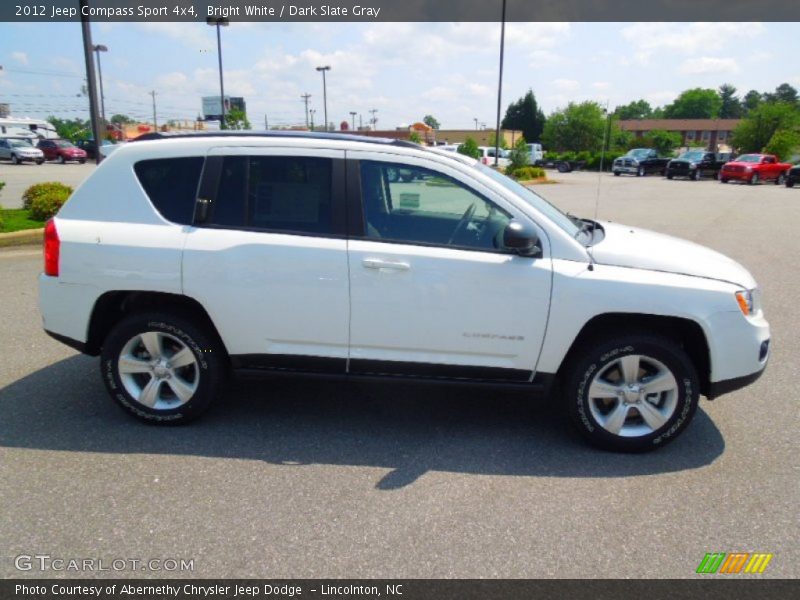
(783, 93)
(731, 107)
(431, 121)
(697, 103)
(526, 116)
(122, 120)
(519, 155)
(784, 143)
(577, 127)
(663, 141)
(414, 137)
(762, 123)
(752, 100)
(71, 129)
(237, 119)
(638, 109)
(469, 148)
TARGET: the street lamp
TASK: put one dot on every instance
(353, 119)
(311, 112)
(324, 93)
(219, 22)
(97, 50)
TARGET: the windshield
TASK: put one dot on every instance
(19, 144)
(692, 155)
(640, 153)
(65, 145)
(753, 158)
(543, 206)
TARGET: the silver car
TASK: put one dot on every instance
(18, 150)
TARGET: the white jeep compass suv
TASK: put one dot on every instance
(182, 257)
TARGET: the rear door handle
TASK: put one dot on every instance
(377, 263)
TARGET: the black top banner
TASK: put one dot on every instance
(400, 10)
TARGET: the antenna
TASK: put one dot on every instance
(606, 127)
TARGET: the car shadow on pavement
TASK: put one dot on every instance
(406, 427)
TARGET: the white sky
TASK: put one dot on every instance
(405, 70)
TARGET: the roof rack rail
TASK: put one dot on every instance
(347, 137)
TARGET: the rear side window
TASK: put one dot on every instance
(171, 185)
(276, 193)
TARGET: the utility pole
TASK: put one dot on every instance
(500, 86)
(360, 122)
(311, 112)
(155, 121)
(325, 93)
(476, 123)
(97, 50)
(305, 98)
(97, 130)
(374, 119)
(353, 119)
(266, 123)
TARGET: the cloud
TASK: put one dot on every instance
(566, 85)
(661, 97)
(687, 38)
(20, 57)
(601, 85)
(705, 65)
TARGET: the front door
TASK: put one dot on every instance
(433, 292)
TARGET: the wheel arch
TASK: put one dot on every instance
(111, 307)
(689, 334)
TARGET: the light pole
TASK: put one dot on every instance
(305, 98)
(311, 112)
(500, 86)
(476, 123)
(97, 50)
(97, 130)
(324, 93)
(353, 119)
(219, 22)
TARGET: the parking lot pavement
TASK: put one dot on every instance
(293, 478)
(19, 177)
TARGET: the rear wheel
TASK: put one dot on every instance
(15, 159)
(723, 180)
(670, 175)
(789, 182)
(162, 368)
(61, 159)
(632, 393)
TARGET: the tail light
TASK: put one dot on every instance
(52, 247)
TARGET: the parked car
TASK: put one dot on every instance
(90, 148)
(20, 151)
(487, 156)
(695, 164)
(793, 176)
(220, 251)
(640, 162)
(753, 168)
(61, 150)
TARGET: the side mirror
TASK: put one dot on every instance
(521, 239)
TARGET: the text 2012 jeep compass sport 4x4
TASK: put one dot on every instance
(180, 258)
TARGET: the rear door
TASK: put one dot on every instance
(267, 256)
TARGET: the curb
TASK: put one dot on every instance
(22, 238)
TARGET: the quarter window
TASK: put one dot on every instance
(171, 185)
(410, 204)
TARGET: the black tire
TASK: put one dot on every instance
(15, 159)
(789, 182)
(670, 175)
(723, 180)
(40, 161)
(754, 179)
(696, 175)
(641, 172)
(616, 173)
(82, 161)
(599, 357)
(209, 366)
(563, 167)
(781, 179)
(61, 159)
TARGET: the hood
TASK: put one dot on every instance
(625, 246)
(738, 163)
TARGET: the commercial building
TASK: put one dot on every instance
(712, 134)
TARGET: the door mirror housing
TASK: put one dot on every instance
(521, 239)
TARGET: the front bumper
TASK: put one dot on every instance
(738, 175)
(626, 169)
(740, 349)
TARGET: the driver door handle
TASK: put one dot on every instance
(381, 265)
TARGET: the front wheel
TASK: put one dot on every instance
(14, 159)
(162, 368)
(789, 182)
(632, 393)
(781, 179)
(754, 179)
(61, 159)
(640, 172)
(723, 180)
(670, 175)
(696, 175)
(616, 173)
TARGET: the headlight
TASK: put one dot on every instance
(635, 162)
(748, 301)
(692, 165)
(748, 169)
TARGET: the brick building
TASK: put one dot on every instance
(712, 134)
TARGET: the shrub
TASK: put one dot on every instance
(470, 148)
(520, 155)
(39, 189)
(2, 185)
(525, 173)
(46, 205)
(414, 137)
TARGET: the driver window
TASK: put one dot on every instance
(403, 203)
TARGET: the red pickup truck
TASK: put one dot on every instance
(753, 168)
